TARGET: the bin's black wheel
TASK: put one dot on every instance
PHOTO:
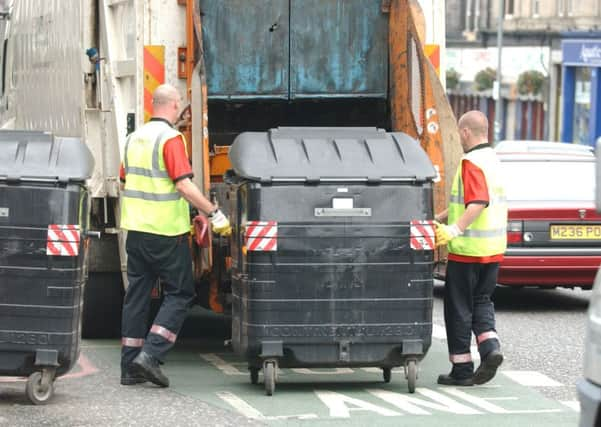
(269, 368)
(254, 375)
(386, 373)
(36, 392)
(411, 375)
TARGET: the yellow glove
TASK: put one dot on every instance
(446, 233)
(220, 224)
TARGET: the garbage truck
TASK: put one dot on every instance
(87, 69)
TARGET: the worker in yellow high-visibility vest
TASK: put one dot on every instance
(155, 211)
(476, 239)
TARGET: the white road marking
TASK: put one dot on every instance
(414, 405)
(222, 365)
(340, 405)
(335, 371)
(379, 370)
(572, 404)
(531, 379)
(240, 405)
(502, 398)
(249, 412)
(491, 407)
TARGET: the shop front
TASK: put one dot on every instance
(581, 91)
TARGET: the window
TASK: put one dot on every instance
(558, 181)
(561, 7)
(535, 8)
(509, 7)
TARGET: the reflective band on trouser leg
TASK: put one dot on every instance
(132, 342)
(487, 336)
(163, 332)
(460, 358)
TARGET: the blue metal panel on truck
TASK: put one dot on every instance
(338, 48)
(295, 49)
(246, 47)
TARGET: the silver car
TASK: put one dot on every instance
(589, 388)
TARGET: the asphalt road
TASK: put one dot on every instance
(542, 335)
(541, 330)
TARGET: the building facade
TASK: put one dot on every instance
(541, 36)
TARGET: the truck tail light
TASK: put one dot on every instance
(514, 233)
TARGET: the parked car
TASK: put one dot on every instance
(553, 230)
(527, 146)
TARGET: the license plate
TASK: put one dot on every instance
(575, 232)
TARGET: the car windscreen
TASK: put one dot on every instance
(561, 181)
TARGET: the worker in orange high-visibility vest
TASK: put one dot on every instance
(476, 236)
(155, 210)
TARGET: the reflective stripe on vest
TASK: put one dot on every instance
(150, 201)
(487, 235)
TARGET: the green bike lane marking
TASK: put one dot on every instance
(215, 375)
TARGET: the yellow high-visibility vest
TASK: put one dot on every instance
(150, 203)
(487, 235)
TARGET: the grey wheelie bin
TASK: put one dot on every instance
(332, 251)
(43, 234)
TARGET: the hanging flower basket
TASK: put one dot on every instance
(453, 77)
(530, 82)
(484, 79)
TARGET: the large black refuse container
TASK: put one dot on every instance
(44, 216)
(332, 254)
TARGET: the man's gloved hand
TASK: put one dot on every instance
(446, 233)
(220, 224)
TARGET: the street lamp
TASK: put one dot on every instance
(497, 89)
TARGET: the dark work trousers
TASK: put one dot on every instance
(150, 256)
(468, 308)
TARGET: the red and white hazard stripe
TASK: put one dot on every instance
(262, 236)
(63, 240)
(422, 235)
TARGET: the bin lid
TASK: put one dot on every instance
(330, 154)
(40, 156)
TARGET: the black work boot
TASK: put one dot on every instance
(149, 368)
(449, 379)
(130, 376)
(488, 367)
(461, 375)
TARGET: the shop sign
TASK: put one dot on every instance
(581, 53)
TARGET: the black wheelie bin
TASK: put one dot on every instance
(332, 251)
(44, 217)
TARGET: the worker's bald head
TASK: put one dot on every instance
(166, 102)
(473, 129)
(476, 122)
(164, 94)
